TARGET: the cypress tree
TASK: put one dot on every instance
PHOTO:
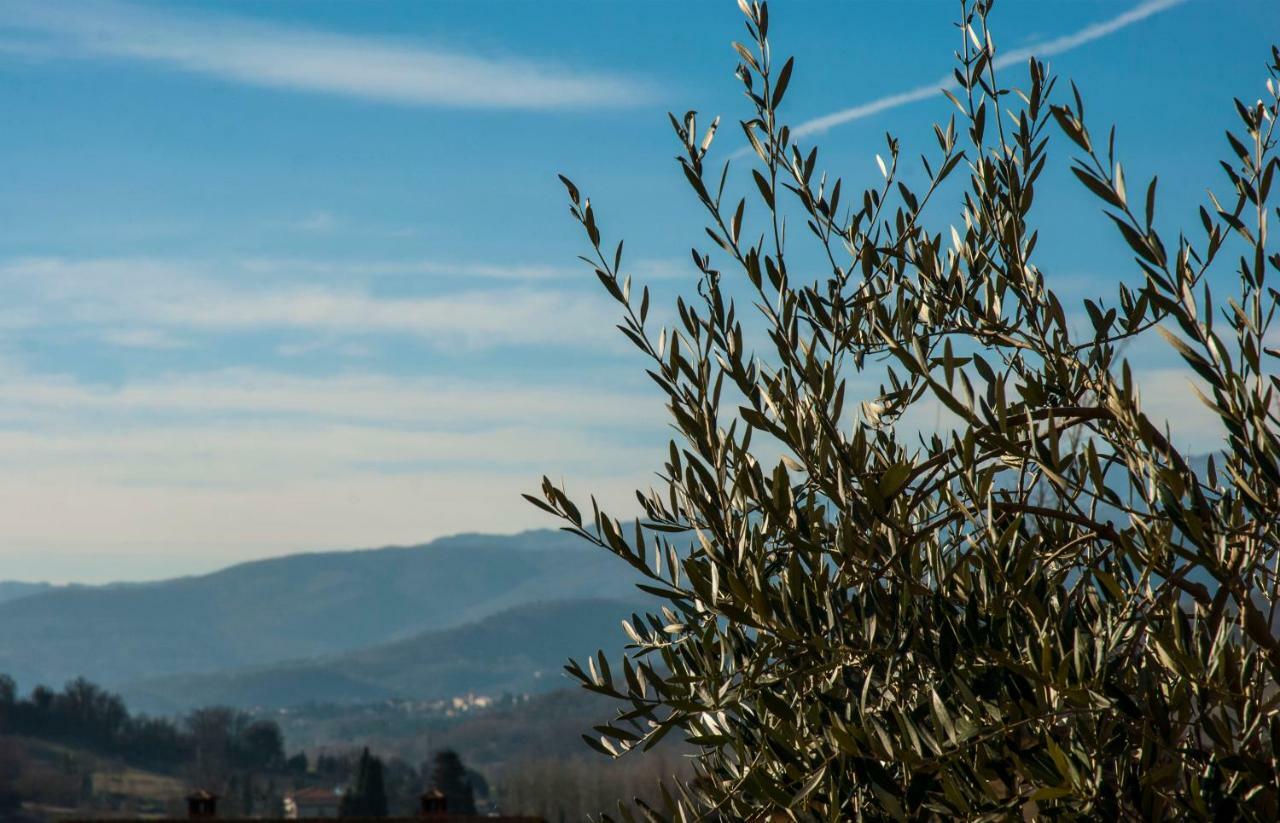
(450, 777)
(367, 796)
(375, 797)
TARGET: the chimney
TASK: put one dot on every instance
(202, 805)
(435, 804)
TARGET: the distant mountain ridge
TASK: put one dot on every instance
(14, 589)
(299, 606)
(518, 651)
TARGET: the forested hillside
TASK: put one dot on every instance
(518, 651)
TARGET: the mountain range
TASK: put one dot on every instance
(245, 621)
(518, 651)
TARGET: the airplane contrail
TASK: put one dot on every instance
(1058, 45)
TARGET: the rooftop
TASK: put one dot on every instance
(315, 794)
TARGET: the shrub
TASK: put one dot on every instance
(1042, 607)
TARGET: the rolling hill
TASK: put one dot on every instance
(293, 607)
(14, 589)
(520, 650)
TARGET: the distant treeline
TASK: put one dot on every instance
(529, 754)
(86, 715)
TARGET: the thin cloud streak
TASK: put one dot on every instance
(647, 269)
(81, 273)
(1047, 48)
(401, 72)
(166, 296)
(54, 400)
(234, 464)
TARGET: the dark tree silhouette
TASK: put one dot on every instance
(217, 739)
(8, 698)
(367, 796)
(298, 763)
(263, 745)
(449, 775)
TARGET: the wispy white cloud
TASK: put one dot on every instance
(175, 297)
(474, 319)
(214, 467)
(76, 273)
(317, 222)
(279, 56)
(311, 268)
(1046, 48)
(349, 349)
(266, 456)
(643, 269)
(142, 339)
(364, 398)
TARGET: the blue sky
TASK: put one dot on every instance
(282, 276)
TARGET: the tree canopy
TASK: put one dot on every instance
(84, 713)
(449, 775)
(367, 794)
(1042, 605)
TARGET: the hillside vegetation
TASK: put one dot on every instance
(518, 651)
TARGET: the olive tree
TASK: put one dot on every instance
(1043, 605)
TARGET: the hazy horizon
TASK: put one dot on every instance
(96, 568)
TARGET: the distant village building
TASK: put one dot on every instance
(310, 804)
